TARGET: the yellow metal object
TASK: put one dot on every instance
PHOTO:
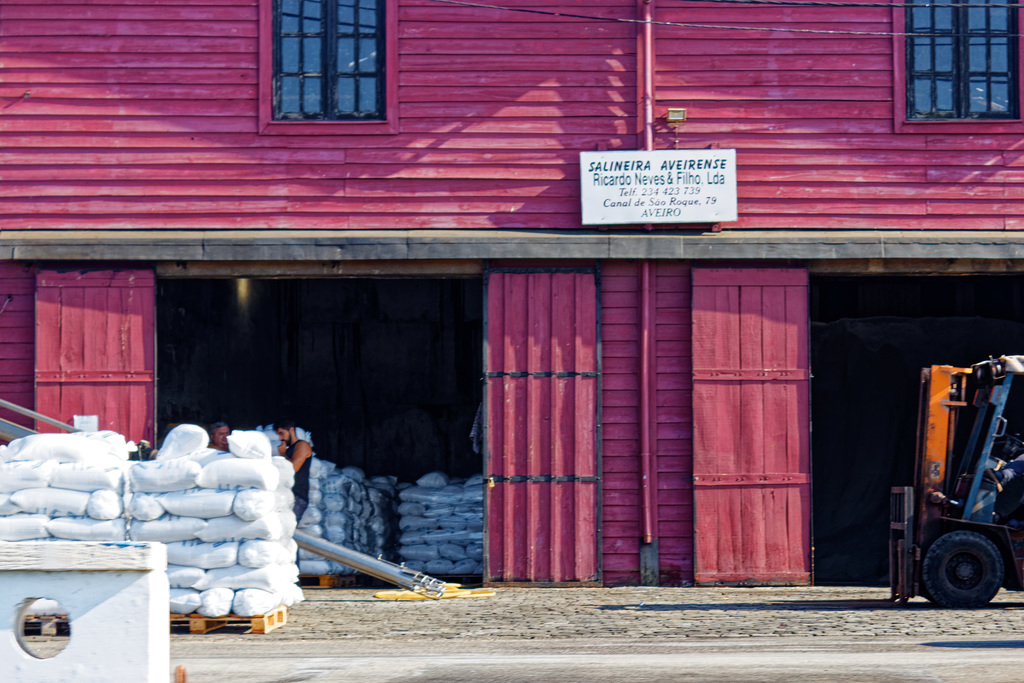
(451, 590)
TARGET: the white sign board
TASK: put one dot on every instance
(662, 186)
(87, 423)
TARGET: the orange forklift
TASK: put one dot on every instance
(957, 535)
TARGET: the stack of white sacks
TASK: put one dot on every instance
(226, 518)
(442, 524)
(63, 487)
(346, 509)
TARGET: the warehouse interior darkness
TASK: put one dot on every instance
(385, 374)
(870, 337)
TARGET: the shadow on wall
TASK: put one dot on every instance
(864, 397)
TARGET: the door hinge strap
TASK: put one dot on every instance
(539, 478)
(561, 375)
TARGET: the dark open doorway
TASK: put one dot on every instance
(385, 374)
(870, 336)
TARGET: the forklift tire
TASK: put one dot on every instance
(962, 570)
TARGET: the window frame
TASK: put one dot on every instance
(268, 125)
(907, 125)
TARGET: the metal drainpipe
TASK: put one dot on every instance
(649, 564)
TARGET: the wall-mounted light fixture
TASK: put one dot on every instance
(675, 117)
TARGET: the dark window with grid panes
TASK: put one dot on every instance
(962, 60)
(328, 60)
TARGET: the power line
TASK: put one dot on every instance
(773, 29)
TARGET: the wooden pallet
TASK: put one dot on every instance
(327, 580)
(46, 626)
(261, 623)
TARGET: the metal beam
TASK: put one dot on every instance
(329, 246)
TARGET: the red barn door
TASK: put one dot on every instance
(751, 426)
(95, 348)
(542, 427)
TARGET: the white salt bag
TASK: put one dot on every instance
(250, 602)
(167, 529)
(23, 527)
(249, 444)
(314, 567)
(234, 528)
(251, 504)
(204, 456)
(439, 566)
(6, 506)
(160, 476)
(87, 529)
(433, 480)
(239, 473)
(450, 551)
(183, 440)
(62, 448)
(285, 471)
(51, 501)
(81, 476)
(104, 504)
(205, 503)
(466, 566)
(291, 594)
(311, 516)
(180, 576)
(238, 576)
(216, 602)
(145, 507)
(258, 554)
(25, 474)
(184, 600)
(423, 553)
(115, 443)
(204, 555)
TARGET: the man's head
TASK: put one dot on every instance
(285, 429)
(219, 435)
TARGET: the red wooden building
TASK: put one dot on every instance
(242, 206)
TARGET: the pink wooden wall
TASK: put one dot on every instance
(17, 338)
(813, 119)
(620, 340)
(143, 115)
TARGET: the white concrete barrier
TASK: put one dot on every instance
(116, 597)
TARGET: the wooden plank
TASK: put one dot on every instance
(108, 25)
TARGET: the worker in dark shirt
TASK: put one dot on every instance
(300, 453)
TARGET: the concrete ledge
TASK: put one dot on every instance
(401, 245)
(81, 556)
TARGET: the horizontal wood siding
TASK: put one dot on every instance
(144, 116)
(812, 118)
(621, 494)
(620, 416)
(17, 338)
(674, 418)
(129, 115)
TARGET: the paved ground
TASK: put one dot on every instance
(621, 634)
